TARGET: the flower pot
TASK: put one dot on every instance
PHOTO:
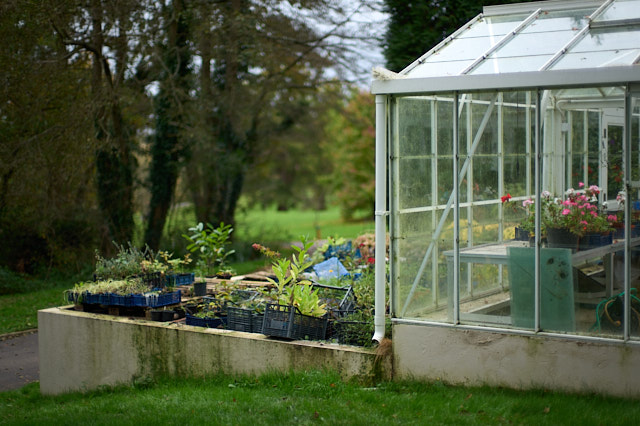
(521, 234)
(591, 241)
(200, 289)
(562, 238)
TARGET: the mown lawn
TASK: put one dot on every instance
(315, 397)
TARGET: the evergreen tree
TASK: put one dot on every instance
(416, 26)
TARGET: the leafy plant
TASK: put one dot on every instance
(175, 265)
(305, 298)
(290, 289)
(126, 263)
(211, 245)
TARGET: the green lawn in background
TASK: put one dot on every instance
(269, 225)
(290, 225)
(314, 397)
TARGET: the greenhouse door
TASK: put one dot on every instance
(611, 175)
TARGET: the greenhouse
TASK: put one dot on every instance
(508, 177)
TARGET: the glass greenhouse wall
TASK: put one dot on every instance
(483, 179)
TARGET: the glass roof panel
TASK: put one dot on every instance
(464, 48)
(611, 43)
(610, 39)
(535, 44)
(513, 64)
(493, 26)
(559, 21)
(438, 69)
(619, 10)
(605, 58)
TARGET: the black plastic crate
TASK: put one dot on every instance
(216, 322)
(288, 322)
(358, 333)
(240, 319)
(340, 301)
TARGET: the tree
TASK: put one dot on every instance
(255, 58)
(350, 145)
(46, 153)
(105, 33)
(169, 143)
(416, 26)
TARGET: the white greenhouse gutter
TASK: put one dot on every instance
(605, 76)
(380, 224)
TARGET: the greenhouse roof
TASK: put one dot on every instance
(553, 39)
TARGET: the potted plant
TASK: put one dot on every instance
(176, 274)
(299, 313)
(565, 221)
(211, 245)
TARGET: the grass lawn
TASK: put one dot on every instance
(310, 398)
(290, 225)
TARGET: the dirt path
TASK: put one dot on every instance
(18, 359)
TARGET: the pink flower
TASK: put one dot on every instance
(612, 218)
(566, 212)
(584, 222)
(580, 184)
(527, 203)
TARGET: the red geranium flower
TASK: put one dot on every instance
(505, 198)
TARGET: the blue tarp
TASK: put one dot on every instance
(330, 268)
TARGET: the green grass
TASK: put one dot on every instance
(290, 225)
(22, 296)
(310, 398)
(264, 226)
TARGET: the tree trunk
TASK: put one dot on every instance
(168, 148)
(113, 157)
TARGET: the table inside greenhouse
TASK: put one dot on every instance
(497, 253)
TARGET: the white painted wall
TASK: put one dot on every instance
(472, 357)
(82, 351)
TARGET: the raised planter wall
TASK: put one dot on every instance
(473, 357)
(83, 351)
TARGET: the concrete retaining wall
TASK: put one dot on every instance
(473, 357)
(83, 351)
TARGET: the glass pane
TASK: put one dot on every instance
(593, 142)
(517, 64)
(559, 21)
(422, 295)
(414, 126)
(415, 177)
(445, 179)
(515, 177)
(438, 69)
(621, 9)
(526, 44)
(445, 127)
(600, 40)
(615, 176)
(463, 48)
(634, 198)
(494, 26)
(489, 133)
(597, 59)
(485, 178)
